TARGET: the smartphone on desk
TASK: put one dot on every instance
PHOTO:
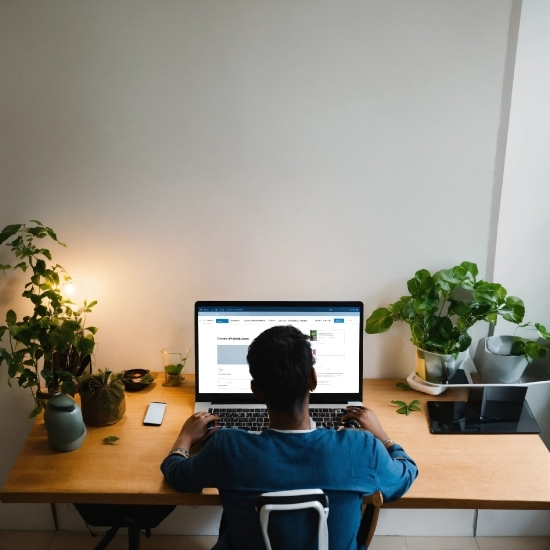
(154, 414)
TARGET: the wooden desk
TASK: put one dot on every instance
(456, 471)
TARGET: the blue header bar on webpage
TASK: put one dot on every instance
(278, 310)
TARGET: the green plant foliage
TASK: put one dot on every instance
(51, 347)
(403, 386)
(101, 382)
(173, 369)
(407, 409)
(102, 397)
(147, 379)
(442, 307)
(110, 440)
(524, 346)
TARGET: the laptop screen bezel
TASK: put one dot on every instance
(315, 398)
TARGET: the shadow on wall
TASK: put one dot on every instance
(397, 353)
(9, 289)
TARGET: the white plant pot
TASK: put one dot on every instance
(437, 368)
(494, 363)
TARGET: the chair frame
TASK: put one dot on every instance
(316, 499)
(136, 518)
(298, 499)
(369, 520)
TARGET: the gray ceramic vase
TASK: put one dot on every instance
(493, 362)
(64, 423)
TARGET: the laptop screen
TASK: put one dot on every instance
(224, 330)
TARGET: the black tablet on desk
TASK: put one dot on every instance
(489, 410)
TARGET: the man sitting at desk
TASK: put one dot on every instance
(345, 464)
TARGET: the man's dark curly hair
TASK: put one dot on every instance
(280, 362)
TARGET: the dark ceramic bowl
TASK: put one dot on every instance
(132, 379)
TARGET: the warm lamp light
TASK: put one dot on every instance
(69, 289)
(75, 291)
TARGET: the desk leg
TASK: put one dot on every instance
(54, 515)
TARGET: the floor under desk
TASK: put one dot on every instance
(47, 540)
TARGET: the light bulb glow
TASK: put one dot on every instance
(69, 289)
(75, 291)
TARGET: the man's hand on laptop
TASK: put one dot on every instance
(197, 429)
(368, 420)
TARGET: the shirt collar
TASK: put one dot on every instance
(312, 427)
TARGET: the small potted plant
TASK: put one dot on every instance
(503, 359)
(174, 359)
(439, 309)
(102, 397)
(47, 350)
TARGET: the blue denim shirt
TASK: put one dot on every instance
(345, 464)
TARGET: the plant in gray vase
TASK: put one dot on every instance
(441, 308)
(527, 347)
(503, 359)
(47, 350)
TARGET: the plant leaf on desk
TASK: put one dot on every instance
(35, 412)
(110, 440)
(407, 409)
(403, 386)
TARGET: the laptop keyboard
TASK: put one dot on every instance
(257, 420)
(327, 418)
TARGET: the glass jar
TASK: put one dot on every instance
(174, 359)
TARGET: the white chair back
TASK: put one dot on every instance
(299, 499)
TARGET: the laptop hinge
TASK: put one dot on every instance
(232, 402)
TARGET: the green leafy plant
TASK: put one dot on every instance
(102, 382)
(173, 369)
(102, 396)
(50, 348)
(529, 348)
(148, 378)
(403, 386)
(110, 440)
(173, 372)
(440, 308)
(407, 409)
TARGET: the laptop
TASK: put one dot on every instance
(224, 330)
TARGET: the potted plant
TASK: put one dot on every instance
(102, 397)
(174, 359)
(439, 309)
(503, 359)
(48, 349)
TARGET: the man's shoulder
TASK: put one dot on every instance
(356, 436)
(324, 436)
(351, 437)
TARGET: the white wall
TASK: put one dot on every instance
(195, 150)
(524, 224)
(521, 260)
(247, 150)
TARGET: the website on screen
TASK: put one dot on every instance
(224, 335)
